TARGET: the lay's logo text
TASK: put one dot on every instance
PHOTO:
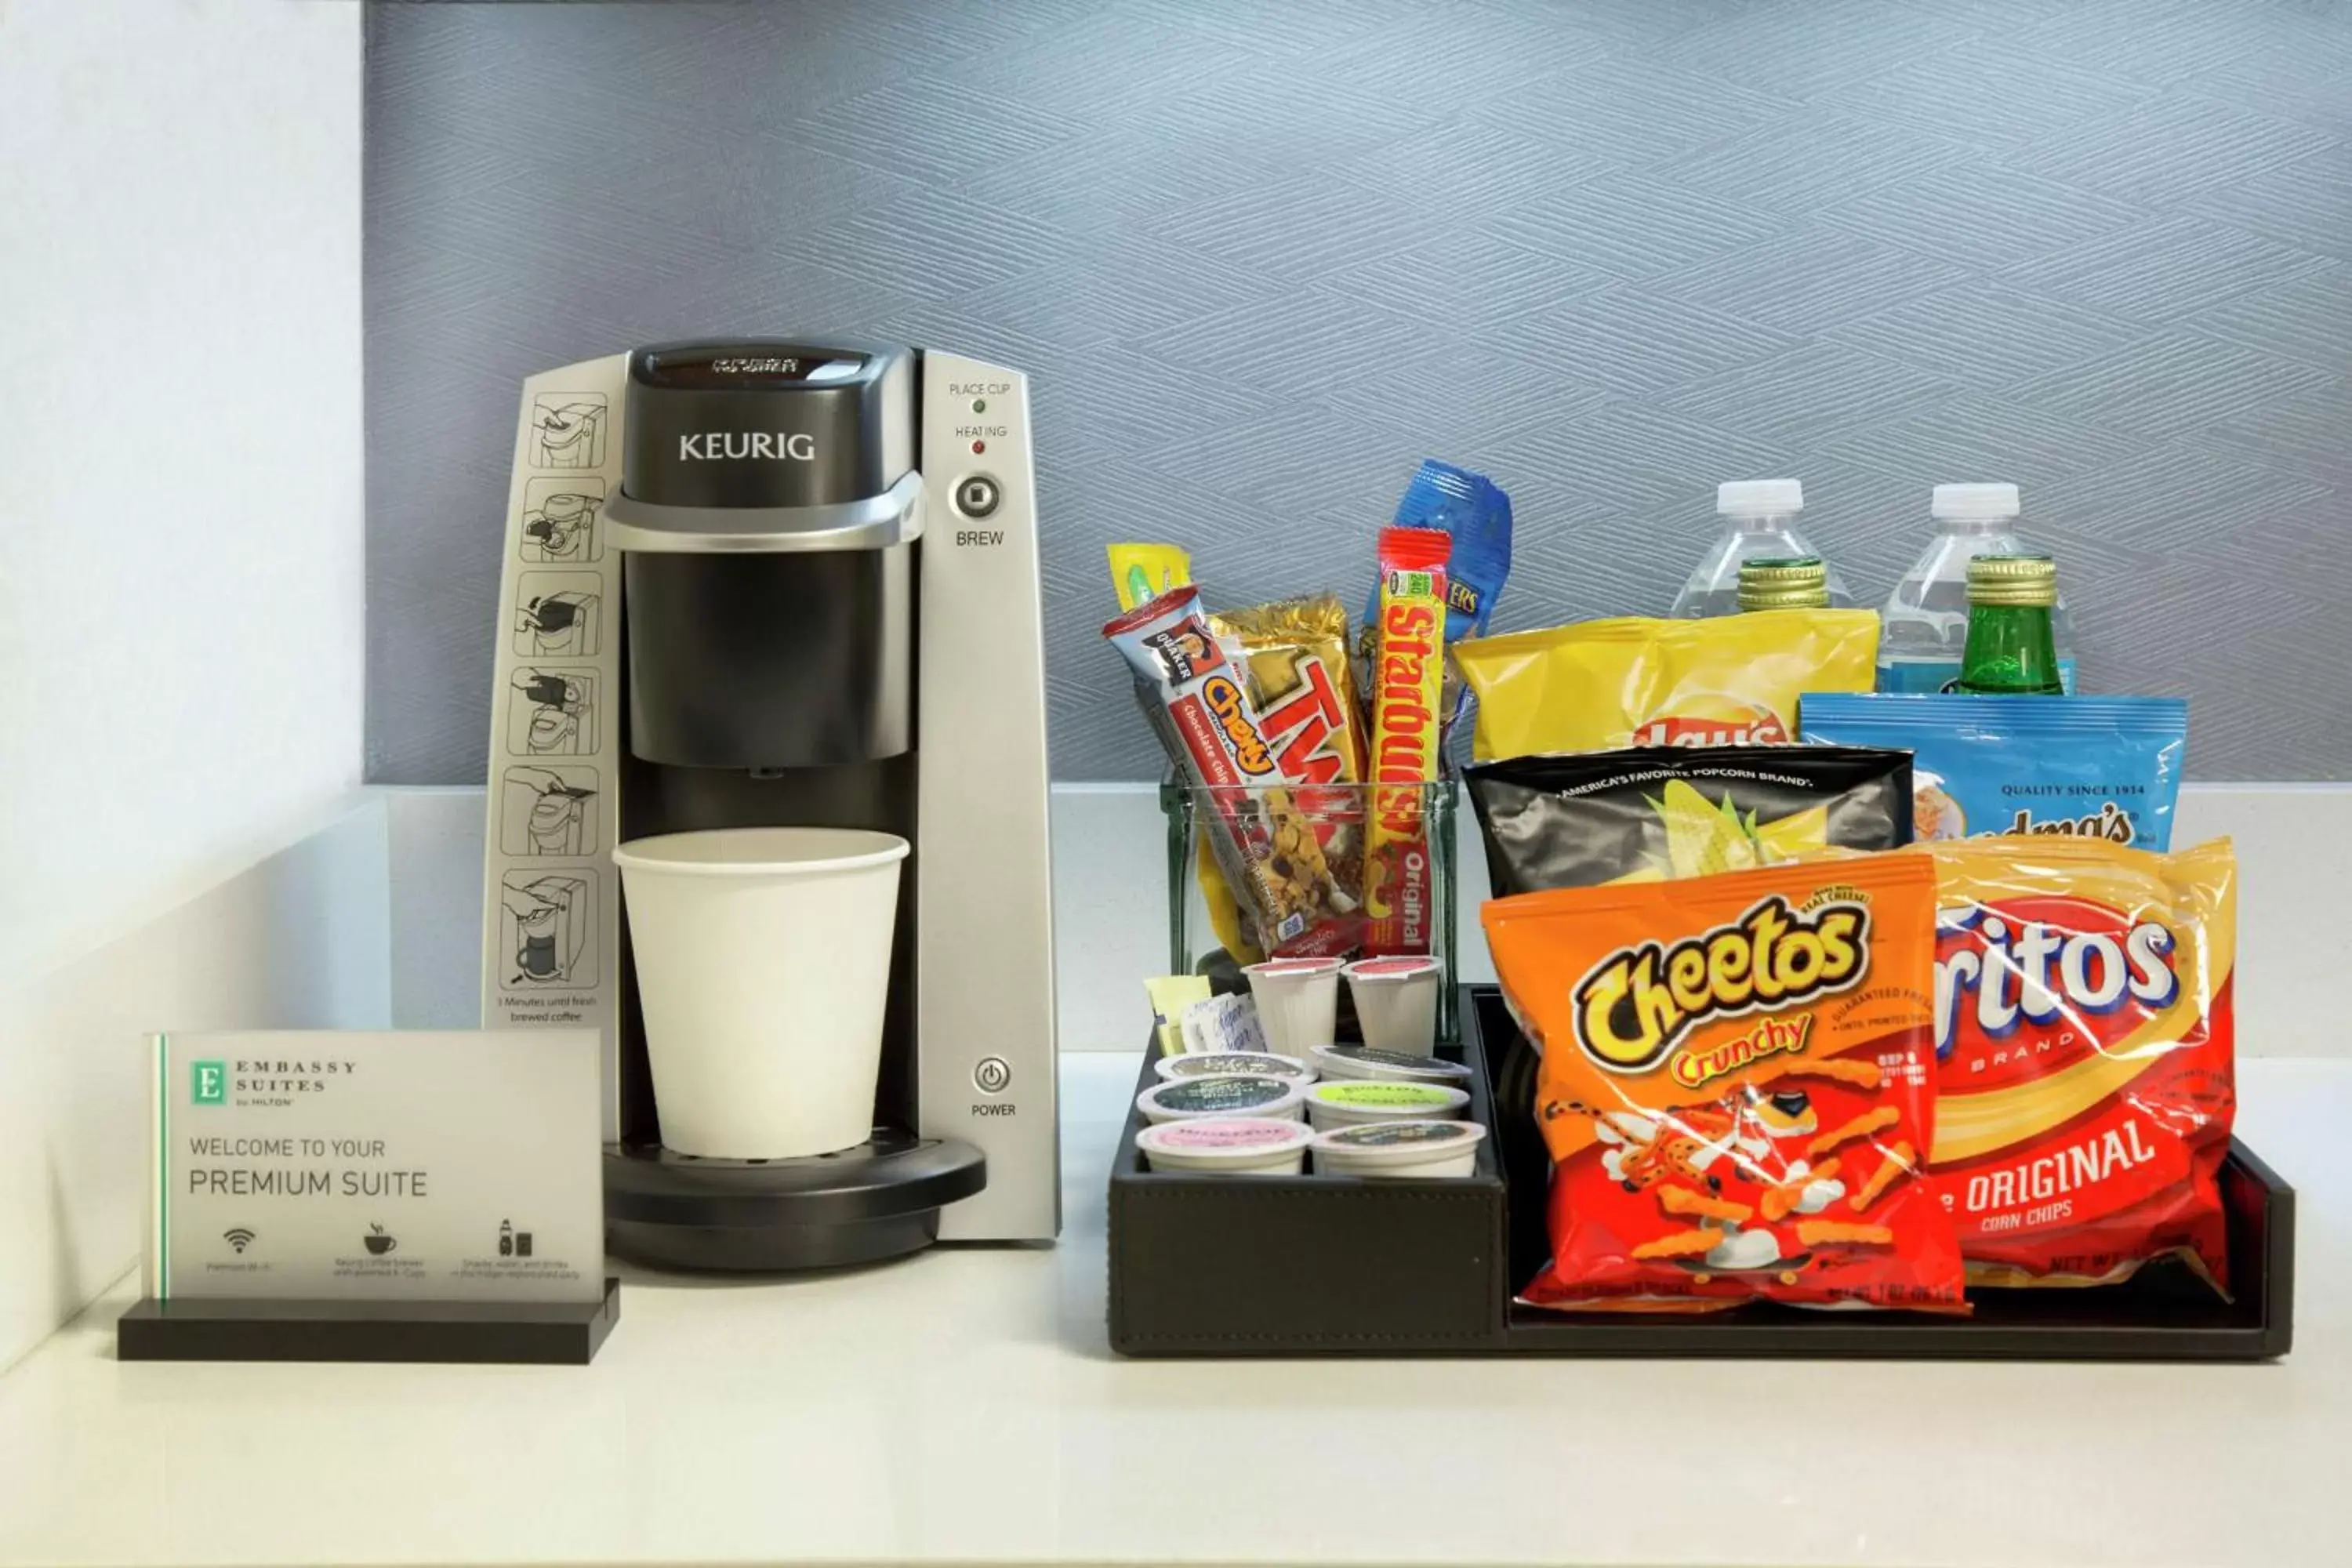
(1750, 727)
(1231, 709)
(1635, 1004)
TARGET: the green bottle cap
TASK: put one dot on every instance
(1784, 583)
(2019, 581)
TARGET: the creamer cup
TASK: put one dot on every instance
(1393, 1067)
(1182, 1100)
(1297, 1002)
(1226, 1064)
(1396, 1002)
(1227, 1146)
(1398, 1150)
(1349, 1103)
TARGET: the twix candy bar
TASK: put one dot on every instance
(1407, 677)
(1295, 653)
(1197, 701)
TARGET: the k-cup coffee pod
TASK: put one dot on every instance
(1182, 1100)
(1396, 1002)
(1227, 1146)
(1394, 1067)
(1396, 1150)
(1225, 1064)
(1346, 1104)
(1298, 1002)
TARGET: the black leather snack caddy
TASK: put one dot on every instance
(1316, 1266)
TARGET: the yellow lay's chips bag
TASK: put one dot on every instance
(1600, 685)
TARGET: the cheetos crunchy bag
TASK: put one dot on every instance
(1735, 1087)
(1599, 685)
(2085, 1049)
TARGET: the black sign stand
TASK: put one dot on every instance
(545, 1333)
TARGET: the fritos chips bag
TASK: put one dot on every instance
(1303, 686)
(1407, 678)
(1734, 1086)
(1193, 695)
(1599, 685)
(2086, 1046)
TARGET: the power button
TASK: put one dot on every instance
(977, 496)
(991, 1075)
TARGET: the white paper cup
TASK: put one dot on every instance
(764, 965)
(1227, 1146)
(1298, 1002)
(1396, 1002)
(1346, 1103)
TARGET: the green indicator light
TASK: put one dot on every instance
(980, 406)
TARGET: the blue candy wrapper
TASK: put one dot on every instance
(1477, 512)
(2099, 767)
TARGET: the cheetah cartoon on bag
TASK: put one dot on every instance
(1745, 1127)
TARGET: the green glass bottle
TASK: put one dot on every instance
(2010, 651)
(1784, 583)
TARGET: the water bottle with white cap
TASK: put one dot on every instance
(1925, 625)
(1759, 521)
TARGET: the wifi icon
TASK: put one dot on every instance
(239, 1237)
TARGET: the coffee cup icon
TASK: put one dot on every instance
(377, 1242)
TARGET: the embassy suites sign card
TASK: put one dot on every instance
(459, 1165)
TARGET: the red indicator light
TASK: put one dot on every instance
(980, 446)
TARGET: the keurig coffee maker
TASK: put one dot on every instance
(808, 598)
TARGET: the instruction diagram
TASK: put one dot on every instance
(547, 925)
(554, 713)
(559, 614)
(567, 430)
(547, 811)
(559, 520)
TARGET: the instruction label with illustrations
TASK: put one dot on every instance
(552, 910)
(459, 1165)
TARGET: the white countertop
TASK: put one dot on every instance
(962, 1405)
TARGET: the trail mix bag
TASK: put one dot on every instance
(1651, 812)
(1734, 1086)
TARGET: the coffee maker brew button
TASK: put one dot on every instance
(977, 496)
(991, 1075)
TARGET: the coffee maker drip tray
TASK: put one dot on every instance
(877, 1200)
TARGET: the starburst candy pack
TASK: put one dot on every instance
(1735, 1086)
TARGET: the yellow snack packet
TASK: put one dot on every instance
(1142, 572)
(1600, 685)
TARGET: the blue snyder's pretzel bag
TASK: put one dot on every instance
(2092, 767)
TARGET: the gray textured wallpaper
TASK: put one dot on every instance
(1261, 257)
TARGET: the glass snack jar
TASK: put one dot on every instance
(1206, 927)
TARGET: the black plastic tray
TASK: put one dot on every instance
(1341, 1265)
